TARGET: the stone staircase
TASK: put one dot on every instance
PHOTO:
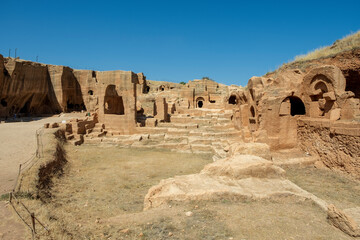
(209, 132)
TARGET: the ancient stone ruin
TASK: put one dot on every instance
(316, 110)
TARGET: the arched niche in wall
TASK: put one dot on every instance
(146, 89)
(293, 106)
(72, 97)
(113, 103)
(200, 102)
(320, 85)
(233, 99)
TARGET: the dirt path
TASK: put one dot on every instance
(18, 143)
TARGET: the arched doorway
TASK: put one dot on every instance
(233, 100)
(113, 103)
(292, 106)
(297, 107)
(200, 102)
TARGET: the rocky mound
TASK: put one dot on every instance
(240, 177)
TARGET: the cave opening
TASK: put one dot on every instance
(233, 100)
(353, 82)
(147, 89)
(200, 102)
(297, 107)
(3, 102)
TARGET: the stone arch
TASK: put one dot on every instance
(293, 106)
(322, 86)
(113, 103)
(200, 102)
(330, 75)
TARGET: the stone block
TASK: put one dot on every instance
(335, 114)
(314, 110)
(329, 96)
(285, 108)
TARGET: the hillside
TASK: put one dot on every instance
(343, 53)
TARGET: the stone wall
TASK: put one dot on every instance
(26, 88)
(337, 144)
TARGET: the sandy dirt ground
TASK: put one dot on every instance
(101, 196)
(18, 144)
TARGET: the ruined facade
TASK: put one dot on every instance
(316, 110)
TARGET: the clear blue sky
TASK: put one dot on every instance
(228, 41)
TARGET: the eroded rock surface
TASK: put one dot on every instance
(241, 177)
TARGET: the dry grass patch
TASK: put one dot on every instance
(333, 187)
(347, 43)
(101, 195)
(102, 182)
(263, 220)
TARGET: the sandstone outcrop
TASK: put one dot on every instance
(240, 177)
(347, 220)
(25, 88)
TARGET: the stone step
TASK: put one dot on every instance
(223, 127)
(229, 133)
(201, 140)
(159, 136)
(196, 133)
(223, 120)
(176, 131)
(93, 140)
(201, 147)
(152, 130)
(179, 125)
(193, 120)
(174, 146)
(217, 127)
(147, 142)
(175, 139)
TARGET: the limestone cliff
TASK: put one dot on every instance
(25, 88)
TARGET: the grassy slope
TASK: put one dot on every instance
(345, 44)
(348, 43)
